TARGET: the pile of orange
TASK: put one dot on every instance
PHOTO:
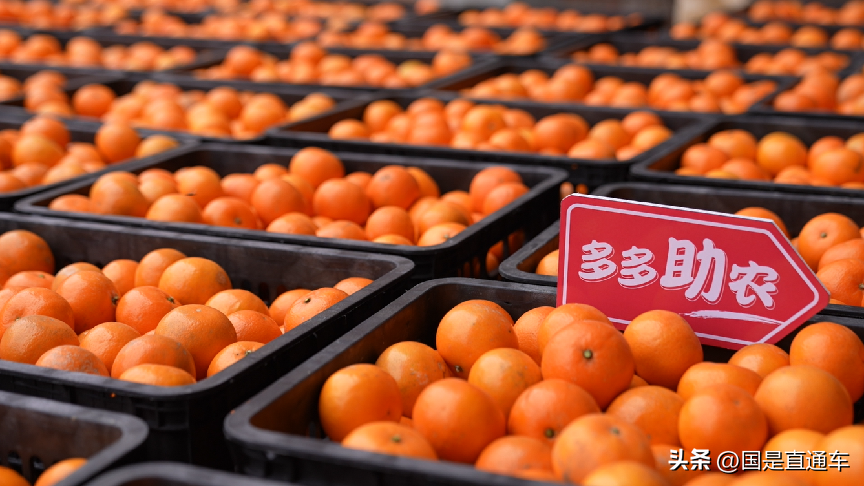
(779, 157)
(219, 112)
(185, 6)
(376, 35)
(264, 28)
(44, 14)
(466, 125)
(41, 152)
(722, 90)
(562, 395)
(831, 244)
(384, 11)
(167, 320)
(85, 52)
(312, 196)
(715, 54)
(721, 26)
(309, 63)
(520, 14)
(821, 91)
(51, 476)
(850, 13)
(11, 87)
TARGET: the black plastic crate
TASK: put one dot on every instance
(276, 433)
(479, 64)
(313, 131)
(185, 422)
(530, 213)
(794, 209)
(83, 133)
(125, 85)
(634, 43)
(641, 75)
(36, 433)
(173, 474)
(661, 169)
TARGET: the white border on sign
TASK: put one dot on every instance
(777, 244)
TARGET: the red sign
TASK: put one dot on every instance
(736, 280)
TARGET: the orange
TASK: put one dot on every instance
(157, 375)
(122, 273)
(231, 354)
(722, 417)
(47, 126)
(152, 349)
(823, 232)
(310, 305)
(239, 185)
(651, 335)
(504, 374)
(203, 184)
(10, 477)
(339, 199)
(844, 280)
(254, 326)
(838, 166)
(594, 440)
(486, 180)
(663, 460)
(143, 307)
(470, 329)
(36, 149)
(390, 438)
(93, 298)
(804, 396)
(393, 186)
(441, 212)
(458, 419)
(848, 440)
(230, 212)
(202, 330)
(544, 409)
(71, 269)
(293, 223)
(428, 186)
(316, 165)
(503, 195)
(24, 250)
(761, 358)
(779, 150)
(175, 207)
(414, 366)
(233, 300)
(767, 478)
(69, 357)
(593, 355)
(283, 302)
(563, 316)
(357, 395)
(59, 471)
(801, 440)
(194, 280)
(703, 158)
(151, 267)
(351, 285)
(341, 229)
(106, 340)
(847, 249)
(37, 301)
(548, 265)
(92, 100)
(653, 409)
(117, 142)
(513, 454)
(30, 278)
(756, 212)
(707, 374)
(623, 473)
(29, 337)
(735, 143)
(274, 197)
(527, 328)
(117, 194)
(712, 479)
(835, 349)
(390, 220)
